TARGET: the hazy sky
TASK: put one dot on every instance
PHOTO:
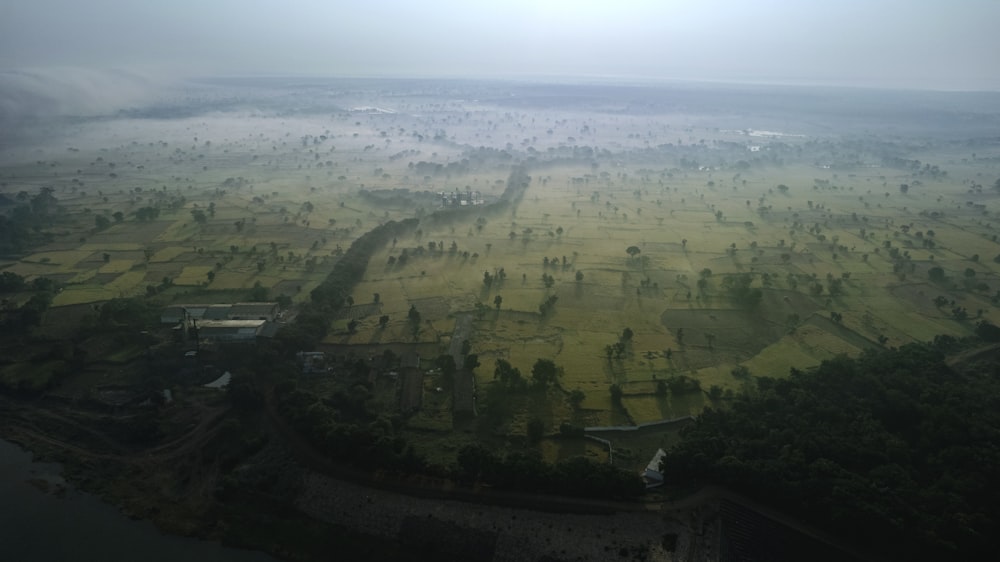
(934, 44)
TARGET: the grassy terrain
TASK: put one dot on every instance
(273, 200)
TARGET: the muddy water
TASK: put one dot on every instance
(43, 519)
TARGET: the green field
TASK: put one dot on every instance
(814, 222)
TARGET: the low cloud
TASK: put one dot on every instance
(32, 96)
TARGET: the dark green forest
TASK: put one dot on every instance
(895, 450)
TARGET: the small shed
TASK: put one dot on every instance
(652, 476)
(230, 330)
(220, 383)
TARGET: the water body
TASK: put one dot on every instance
(41, 527)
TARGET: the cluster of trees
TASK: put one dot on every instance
(619, 349)
(351, 268)
(128, 314)
(344, 429)
(496, 277)
(544, 373)
(29, 314)
(548, 305)
(23, 225)
(894, 448)
(312, 323)
(526, 471)
(738, 287)
(145, 214)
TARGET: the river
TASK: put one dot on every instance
(42, 527)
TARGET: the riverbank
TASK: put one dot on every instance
(45, 518)
(484, 532)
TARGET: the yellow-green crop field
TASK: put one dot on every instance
(714, 246)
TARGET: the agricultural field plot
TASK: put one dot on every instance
(562, 230)
(715, 241)
(127, 284)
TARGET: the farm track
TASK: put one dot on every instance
(113, 445)
(21, 428)
(843, 332)
(970, 356)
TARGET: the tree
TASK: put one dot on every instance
(118, 216)
(616, 394)
(10, 282)
(414, 317)
(199, 216)
(579, 276)
(543, 372)
(633, 251)
(535, 430)
(740, 291)
(548, 305)
(284, 301)
(258, 293)
(509, 377)
(935, 274)
(497, 301)
(576, 397)
(101, 222)
(383, 321)
(145, 214)
(627, 334)
(31, 311)
(471, 362)
(211, 276)
(987, 331)
(477, 461)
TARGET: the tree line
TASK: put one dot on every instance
(894, 449)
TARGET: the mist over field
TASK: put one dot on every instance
(530, 280)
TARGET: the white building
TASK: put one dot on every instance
(652, 475)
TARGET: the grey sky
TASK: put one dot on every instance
(878, 43)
